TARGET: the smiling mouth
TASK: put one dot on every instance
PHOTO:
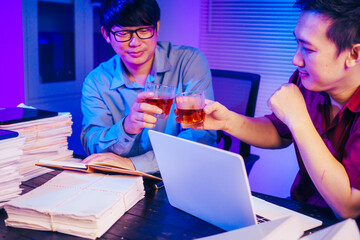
(136, 54)
(303, 74)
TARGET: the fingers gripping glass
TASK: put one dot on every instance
(126, 35)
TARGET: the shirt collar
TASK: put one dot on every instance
(120, 77)
(354, 103)
(161, 64)
(161, 60)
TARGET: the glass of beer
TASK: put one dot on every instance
(163, 97)
(190, 107)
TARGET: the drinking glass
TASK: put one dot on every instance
(190, 107)
(163, 97)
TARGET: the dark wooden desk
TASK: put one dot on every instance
(152, 218)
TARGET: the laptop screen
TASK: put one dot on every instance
(205, 181)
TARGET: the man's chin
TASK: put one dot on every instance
(308, 83)
(135, 61)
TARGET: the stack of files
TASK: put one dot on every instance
(80, 204)
(46, 136)
(10, 153)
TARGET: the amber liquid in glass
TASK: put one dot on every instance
(190, 118)
(163, 103)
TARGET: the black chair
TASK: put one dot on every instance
(238, 92)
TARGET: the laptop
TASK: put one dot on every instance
(212, 184)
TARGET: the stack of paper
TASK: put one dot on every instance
(80, 204)
(45, 139)
(10, 179)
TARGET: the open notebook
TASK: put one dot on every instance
(212, 184)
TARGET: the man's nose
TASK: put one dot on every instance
(135, 40)
(297, 59)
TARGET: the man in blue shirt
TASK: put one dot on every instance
(116, 119)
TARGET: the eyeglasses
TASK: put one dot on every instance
(126, 35)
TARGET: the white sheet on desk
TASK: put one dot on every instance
(11, 162)
(10, 153)
(273, 211)
(346, 229)
(286, 228)
(81, 204)
(8, 173)
(10, 185)
(12, 145)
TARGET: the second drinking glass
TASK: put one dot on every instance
(190, 107)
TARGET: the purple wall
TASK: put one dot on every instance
(11, 54)
(180, 22)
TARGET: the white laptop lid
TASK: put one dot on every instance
(205, 181)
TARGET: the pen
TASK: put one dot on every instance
(159, 185)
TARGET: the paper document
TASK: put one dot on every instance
(286, 228)
(344, 230)
(80, 204)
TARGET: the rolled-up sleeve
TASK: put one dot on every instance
(99, 131)
(351, 158)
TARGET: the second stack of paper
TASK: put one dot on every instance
(45, 139)
(10, 179)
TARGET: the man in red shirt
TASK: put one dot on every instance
(318, 109)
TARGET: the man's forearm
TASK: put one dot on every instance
(259, 132)
(326, 172)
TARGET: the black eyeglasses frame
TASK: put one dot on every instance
(136, 32)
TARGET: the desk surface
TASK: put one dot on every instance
(153, 218)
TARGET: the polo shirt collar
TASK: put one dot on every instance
(354, 103)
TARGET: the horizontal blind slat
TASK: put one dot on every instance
(250, 36)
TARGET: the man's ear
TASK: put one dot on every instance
(354, 56)
(105, 34)
(157, 28)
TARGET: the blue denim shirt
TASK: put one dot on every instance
(108, 95)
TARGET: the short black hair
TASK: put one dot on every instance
(128, 13)
(344, 30)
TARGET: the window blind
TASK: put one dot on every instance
(251, 36)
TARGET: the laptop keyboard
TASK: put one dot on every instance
(261, 219)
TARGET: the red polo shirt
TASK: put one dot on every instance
(341, 136)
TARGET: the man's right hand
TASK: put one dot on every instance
(141, 114)
(217, 116)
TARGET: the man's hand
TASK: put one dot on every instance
(216, 116)
(288, 104)
(141, 114)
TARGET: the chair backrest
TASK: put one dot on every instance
(238, 92)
